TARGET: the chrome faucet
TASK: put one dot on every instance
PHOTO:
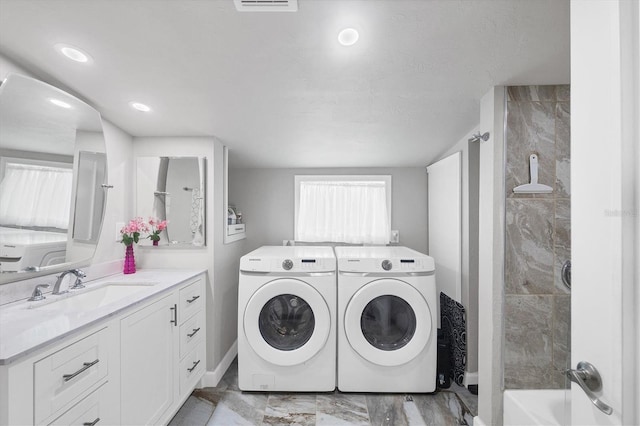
(78, 284)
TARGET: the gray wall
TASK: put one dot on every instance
(266, 199)
(537, 309)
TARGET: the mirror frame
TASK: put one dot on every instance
(10, 277)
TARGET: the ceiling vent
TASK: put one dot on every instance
(266, 5)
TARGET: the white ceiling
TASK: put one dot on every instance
(277, 88)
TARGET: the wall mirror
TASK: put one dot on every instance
(53, 174)
(173, 189)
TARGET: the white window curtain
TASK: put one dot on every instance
(33, 195)
(352, 212)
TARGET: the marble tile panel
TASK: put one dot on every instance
(562, 331)
(529, 246)
(341, 409)
(562, 242)
(528, 339)
(386, 410)
(290, 409)
(533, 377)
(530, 129)
(194, 411)
(546, 93)
(239, 408)
(563, 150)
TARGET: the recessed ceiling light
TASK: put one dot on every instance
(59, 103)
(139, 106)
(348, 36)
(73, 53)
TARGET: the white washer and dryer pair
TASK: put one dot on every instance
(386, 320)
(381, 314)
(287, 319)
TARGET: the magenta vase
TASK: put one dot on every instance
(129, 261)
(155, 242)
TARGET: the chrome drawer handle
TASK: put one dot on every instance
(174, 321)
(195, 330)
(194, 299)
(195, 364)
(91, 423)
(86, 366)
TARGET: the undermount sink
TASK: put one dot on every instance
(91, 299)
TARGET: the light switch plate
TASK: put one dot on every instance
(395, 236)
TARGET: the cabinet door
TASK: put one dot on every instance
(147, 362)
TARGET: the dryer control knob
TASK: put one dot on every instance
(387, 265)
(287, 264)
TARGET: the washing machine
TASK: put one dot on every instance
(386, 320)
(287, 319)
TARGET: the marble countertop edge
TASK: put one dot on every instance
(26, 329)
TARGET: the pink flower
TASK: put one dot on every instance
(155, 227)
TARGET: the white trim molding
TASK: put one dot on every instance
(212, 378)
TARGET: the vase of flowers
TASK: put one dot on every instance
(156, 226)
(130, 235)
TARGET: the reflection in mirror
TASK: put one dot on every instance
(173, 189)
(52, 167)
(90, 196)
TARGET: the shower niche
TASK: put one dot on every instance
(173, 189)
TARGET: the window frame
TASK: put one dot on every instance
(340, 178)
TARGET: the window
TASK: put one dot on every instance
(33, 195)
(345, 209)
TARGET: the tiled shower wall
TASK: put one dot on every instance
(537, 304)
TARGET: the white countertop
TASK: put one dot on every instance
(28, 326)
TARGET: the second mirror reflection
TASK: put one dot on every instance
(173, 189)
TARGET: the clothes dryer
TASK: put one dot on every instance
(287, 319)
(386, 320)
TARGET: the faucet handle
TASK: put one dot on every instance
(37, 293)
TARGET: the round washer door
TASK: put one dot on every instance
(287, 322)
(388, 322)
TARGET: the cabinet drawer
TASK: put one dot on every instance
(69, 373)
(192, 368)
(192, 332)
(191, 299)
(93, 410)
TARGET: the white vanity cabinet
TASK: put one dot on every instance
(134, 367)
(70, 382)
(147, 362)
(155, 375)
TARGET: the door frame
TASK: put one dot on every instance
(605, 195)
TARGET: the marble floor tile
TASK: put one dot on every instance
(442, 408)
(225, 405)
(239, 408)
(386, 410)
(195, 411)
(341, 409)
(290, 409)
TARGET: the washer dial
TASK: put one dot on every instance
(387, 265)
(287, 264)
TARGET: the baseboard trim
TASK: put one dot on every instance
(212, 378)
(470, 378)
